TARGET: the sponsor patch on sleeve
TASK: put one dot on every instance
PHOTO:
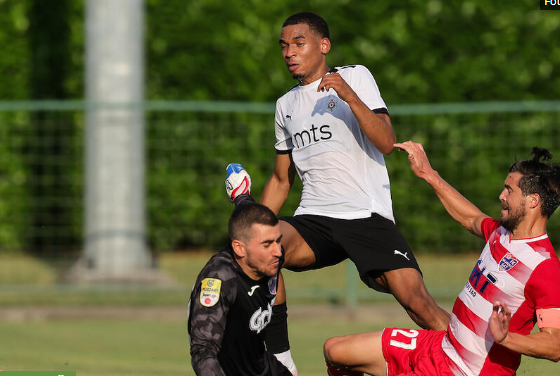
(210, 291)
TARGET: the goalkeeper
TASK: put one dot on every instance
(232, 300)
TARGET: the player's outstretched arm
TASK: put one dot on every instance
(544, 344)
(376, 127)
(276, 191)
(461, 209)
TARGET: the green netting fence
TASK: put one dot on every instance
(189, 145)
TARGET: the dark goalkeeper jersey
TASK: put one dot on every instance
(228, 312)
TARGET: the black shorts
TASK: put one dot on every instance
(374, 244)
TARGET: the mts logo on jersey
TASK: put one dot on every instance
(479, 281)
(315, 134)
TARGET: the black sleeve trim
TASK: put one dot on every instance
(283, 152)
(381, 110)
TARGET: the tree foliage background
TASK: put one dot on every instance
(209, 50)
(419, 51)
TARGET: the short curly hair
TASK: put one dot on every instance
(315, 23)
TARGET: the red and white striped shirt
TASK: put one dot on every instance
(522, 273)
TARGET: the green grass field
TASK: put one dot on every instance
(158, 346)
(148, 348)
(117, 348)
(28, 281)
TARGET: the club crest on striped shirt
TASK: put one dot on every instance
(507, 262)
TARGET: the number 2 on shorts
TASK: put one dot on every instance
(410, 340)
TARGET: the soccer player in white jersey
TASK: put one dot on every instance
(333, 129)
(514, 284)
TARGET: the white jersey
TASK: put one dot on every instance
(343, 174)
(522, 273)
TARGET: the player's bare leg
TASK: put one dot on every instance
(407, 286)
(297, 252)
(356, 352)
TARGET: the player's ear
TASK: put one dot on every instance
(325, 45)
(534, 200)
(239, 248)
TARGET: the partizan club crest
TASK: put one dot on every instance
(331, 104)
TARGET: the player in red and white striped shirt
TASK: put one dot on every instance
(514, 284)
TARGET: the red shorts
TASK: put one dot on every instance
(414, 352)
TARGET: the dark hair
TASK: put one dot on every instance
(244, 216)
(315, 23)
(541, 178)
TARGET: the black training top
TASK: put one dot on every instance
(228, 312)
